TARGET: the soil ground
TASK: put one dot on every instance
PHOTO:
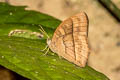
(104, 30)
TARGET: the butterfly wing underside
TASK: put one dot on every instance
(70, 39)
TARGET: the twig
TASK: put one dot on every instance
(111, 7)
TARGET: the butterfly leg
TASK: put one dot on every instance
(44, 48)
(47, 51)
(60, 57)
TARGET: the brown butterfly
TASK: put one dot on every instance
(70, 40)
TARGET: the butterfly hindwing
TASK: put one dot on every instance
(70, 39)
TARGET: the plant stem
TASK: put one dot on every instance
(111, 7)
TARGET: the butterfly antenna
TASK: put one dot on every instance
(43, 31)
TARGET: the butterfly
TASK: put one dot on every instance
(70, 39)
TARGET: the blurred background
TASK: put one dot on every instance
(104, 28)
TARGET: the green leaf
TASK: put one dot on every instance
(22, 54)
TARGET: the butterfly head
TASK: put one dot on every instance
(48, 41)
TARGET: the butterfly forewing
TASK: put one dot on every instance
(70, 39)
